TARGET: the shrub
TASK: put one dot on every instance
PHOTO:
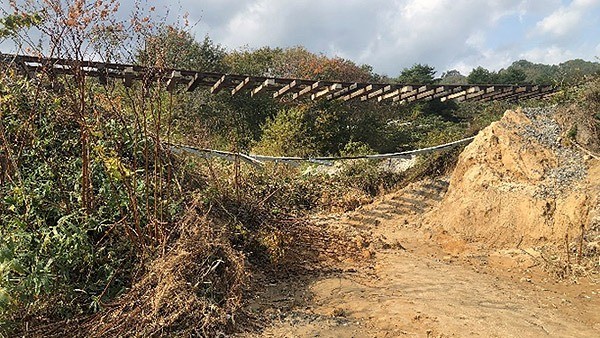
(58, 256)
(289, 133)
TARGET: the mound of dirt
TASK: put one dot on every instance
(520, 183)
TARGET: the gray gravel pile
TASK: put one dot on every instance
(571, 164)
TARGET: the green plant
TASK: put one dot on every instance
(572, 133)
(49, 245)
(12, 24)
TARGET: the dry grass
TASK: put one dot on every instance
(194, 289)
(199, 285)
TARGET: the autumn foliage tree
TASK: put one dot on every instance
(296, 62)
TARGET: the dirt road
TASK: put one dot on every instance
(416, 282)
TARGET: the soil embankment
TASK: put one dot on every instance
(458, 257)
(519, 184)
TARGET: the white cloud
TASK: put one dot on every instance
(536, 7)
(548, 55)
(566, 20)
(585, 3)
(389, 34)
(393, 34)
(439, 32)
(560, 23)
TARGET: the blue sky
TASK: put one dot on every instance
(393, 34)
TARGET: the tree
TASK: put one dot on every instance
(296, 62)
(453, 77)
(481, 75)
(569, 71)
(340, 69)
(176, 48)
(289, 133)
(325, 128)
(417, 74)
(574, 71)
(257, 62)
(512, 75)
(10, 25)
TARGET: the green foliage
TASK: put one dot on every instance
(572, 133)
(575, 71)
(259, 62)
(290, 133)
(328, 129)
(417, 74)
(354, 148)
(39, 243)
(249, 115)
(478, 115)
(296, 62)
(526, 72)
(513, 76)
(481, 75)
(536, 73)
(578, 113)
(325, 128)
(176, 48)
(453, 77)
(13, 23)
(57, 257)
(365, 175)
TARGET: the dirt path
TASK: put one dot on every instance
(415, 282)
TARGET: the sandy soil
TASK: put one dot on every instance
(418, 282)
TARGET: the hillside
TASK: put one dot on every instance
(479, 253)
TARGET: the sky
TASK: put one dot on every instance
(393, 34)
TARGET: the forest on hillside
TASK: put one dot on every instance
(92, 197)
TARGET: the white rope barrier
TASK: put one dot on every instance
(258, 160)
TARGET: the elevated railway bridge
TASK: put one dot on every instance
(285, 89)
